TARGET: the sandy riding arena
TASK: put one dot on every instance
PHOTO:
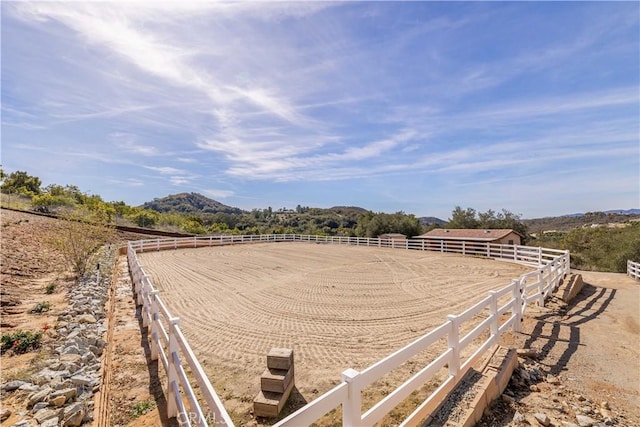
(338, 307)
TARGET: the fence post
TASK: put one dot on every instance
(541, 288)
(539, 255)
(464, 247)
(158, 244)
(515, 252)
(141, 289)
(493, 309)
(144, 312)
(453, 341)
(172, 375)
(154, 324)
(137, 284)
(517, 306)
(351, 409)
(488, 250)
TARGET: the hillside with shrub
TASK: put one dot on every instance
(569, 222)
(599, 248)
(191, 203)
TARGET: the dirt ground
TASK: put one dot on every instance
(27, 267)
(592, 348)
(338, 307)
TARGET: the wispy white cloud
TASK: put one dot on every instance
(130, 182)
(218, 194)
(249, 95)
(165, 170)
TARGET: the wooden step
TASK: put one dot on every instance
(280, 358)
(276, 380)
(269, 404)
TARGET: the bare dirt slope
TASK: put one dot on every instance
(27, 267)
(336, 306)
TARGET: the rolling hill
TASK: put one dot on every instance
(189, 203)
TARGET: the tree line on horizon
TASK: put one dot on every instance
(599, 249)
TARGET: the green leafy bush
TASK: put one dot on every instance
(20, 341)
(41, 307)
(141, 408)
(50, 288)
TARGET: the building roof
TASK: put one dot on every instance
(482, 235)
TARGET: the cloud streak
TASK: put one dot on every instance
(283, 97)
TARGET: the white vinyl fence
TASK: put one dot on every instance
(498, 311)
(633, 269)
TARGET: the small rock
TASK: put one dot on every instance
(543, 419)
(71, 358)
(86, 318)
(23, 423)
(38, 396)
(44, 415)
(584, 421)
(568, 424)
(580, 397)
(38, 406)
(82, 380)
(552, 380)
(57, 401)
(605, 405)
(12, 385)
(518, 418)
(74, 414)
(4, 414)
(67, 393)
(51, 422)
(525, 375)
(29, 388)
(534, 388)
(507, 398)
(609, 421)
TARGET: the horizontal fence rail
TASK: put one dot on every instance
(633, 269)
(468, 335)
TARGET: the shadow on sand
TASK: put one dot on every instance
(558, 332)
(587, 305)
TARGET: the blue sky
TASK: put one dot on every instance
(420, 106)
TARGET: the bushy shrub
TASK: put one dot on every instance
(20, 341)
(41, 307)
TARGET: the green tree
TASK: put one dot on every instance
(21, 182)
(463, 218)
(469, 218)
(374, 224)
(145, 217)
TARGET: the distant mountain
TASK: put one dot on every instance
(348, 210)
(568, 222)
(189, 203)
(612, 211)
(624, 211)
(428, 220)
